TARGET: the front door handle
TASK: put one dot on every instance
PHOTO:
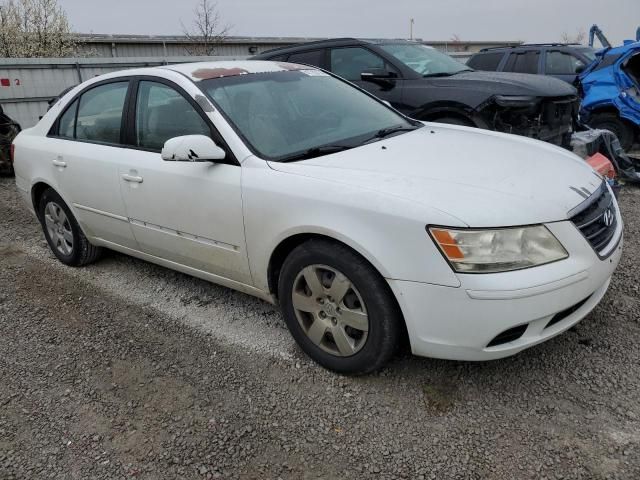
(131, 178)
(60, 163)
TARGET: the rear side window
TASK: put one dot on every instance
(314, 57)
(523, 62)
(163, 113)
(100, 110)
(349, 63)
(67, 122)
(486, 61)
(561, 63)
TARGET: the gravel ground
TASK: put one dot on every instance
(128, 370)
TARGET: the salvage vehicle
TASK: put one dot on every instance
(610, 90)
(288, 183)
(425, 84)
(564, 61)
(8, 131)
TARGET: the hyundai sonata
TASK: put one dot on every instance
(287, 183)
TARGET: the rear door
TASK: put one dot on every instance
(86, 146)
(186, 212)
(527, 61)
(350, 62)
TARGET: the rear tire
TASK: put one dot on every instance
(62, 232)
(612, 122)
(338, 308)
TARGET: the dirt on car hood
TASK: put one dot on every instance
(483, 178)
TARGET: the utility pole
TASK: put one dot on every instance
(411, 22)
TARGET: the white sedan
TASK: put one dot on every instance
(287, 183)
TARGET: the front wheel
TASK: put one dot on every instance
(338, 308)
(612, 122)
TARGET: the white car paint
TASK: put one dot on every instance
(223, 222)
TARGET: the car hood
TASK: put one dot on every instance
(482, 178)
(505, 83)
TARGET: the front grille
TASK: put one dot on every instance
(597, 219)
(508, 335)
(558, 317)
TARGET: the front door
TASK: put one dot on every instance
(186, 212)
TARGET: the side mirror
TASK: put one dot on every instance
(376, 74)
(192, 148)
(580, 69)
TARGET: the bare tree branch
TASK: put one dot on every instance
(208, 30)
(578, 37)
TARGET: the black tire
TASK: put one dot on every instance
(81, 252)
(454, 121)
(612, 122)
(384, 316)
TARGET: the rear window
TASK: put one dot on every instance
(523, 62)
(486, 61)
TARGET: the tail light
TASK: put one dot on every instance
(12, 153)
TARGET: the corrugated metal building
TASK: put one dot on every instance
(175, 46)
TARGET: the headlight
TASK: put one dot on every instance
(497, 250)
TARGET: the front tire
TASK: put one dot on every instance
(62, 232)
(338, 308)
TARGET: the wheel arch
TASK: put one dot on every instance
(293, 240)
(432, 112)
(37, 189)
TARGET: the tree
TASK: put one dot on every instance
(34, 28)
(208, 29)
(578, 37)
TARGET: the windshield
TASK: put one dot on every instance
(426, 61)
(282, 115)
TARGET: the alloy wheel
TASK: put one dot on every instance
(330, 310)
(59, 228)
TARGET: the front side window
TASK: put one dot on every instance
(426, 61)
(282, 114)
(561, 63)
(349, 63)
(523, 62)
(162, 113)
(99, 116)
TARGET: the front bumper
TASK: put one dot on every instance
(460, 323)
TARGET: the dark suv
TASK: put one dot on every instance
(426, 84)
(559, 60)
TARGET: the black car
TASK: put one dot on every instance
(426, 84)
(560, 60)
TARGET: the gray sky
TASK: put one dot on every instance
(532, 20)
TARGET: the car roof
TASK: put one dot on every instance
(199, 71)
(331, 42)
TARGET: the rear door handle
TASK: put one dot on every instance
(60, 163)
(131, 178)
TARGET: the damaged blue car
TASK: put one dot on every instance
(610, 91)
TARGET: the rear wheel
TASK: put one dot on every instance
(63, 234)
(612, 122)
(339, 308)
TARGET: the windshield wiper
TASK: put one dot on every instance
(385, 132)
(316, 152)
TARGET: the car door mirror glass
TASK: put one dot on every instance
(192, 148)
